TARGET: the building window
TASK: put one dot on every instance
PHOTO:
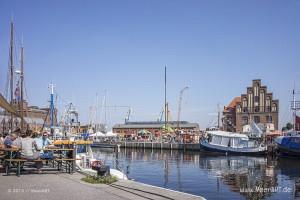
(256, 119)
(256, 89)
(245, 120)
(238, 108)
(256, 99)
(269, 119)
(256, 109)
(245, 102)
(245, 110)
(268, 101)
(274, 107)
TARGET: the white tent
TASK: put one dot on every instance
(111, 134)
(98, 134)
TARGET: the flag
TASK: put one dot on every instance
(17, 92)
(297, 123)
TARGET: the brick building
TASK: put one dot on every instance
(156, 128)
(257, 105)
(229, 115)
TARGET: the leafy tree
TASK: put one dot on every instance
(289, 126)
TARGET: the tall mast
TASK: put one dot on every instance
(105, 107)
(294, 109)
(11, 70)
(219, 115)
(51, 87)
(22, 85)
(295, 106)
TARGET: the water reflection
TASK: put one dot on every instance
(214, 177)
(243, 174)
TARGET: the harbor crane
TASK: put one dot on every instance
(180, 106)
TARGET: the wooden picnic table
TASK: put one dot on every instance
(53, 149)
(13, 153)
(10, 149)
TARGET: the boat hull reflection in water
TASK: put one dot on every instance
(213, 177)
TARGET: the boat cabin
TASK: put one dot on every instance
(227, 139)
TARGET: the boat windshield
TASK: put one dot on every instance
(81, 149)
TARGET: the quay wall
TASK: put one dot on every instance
(158, 145)
(272, 149)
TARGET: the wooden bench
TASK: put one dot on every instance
(69, 164)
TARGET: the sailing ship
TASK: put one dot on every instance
(231, 143)
(13, 113)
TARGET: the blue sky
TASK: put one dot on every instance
(214, 47)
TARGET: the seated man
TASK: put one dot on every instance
(2, 154)
(42, 143)
(9, 141)
(29, 149)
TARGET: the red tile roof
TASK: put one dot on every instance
(233, 103)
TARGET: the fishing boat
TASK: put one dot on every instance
(86, 163)
(231, 143)
(289, 145)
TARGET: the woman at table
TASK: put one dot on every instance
(29, 149)
(2, 154)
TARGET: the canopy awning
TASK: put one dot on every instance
(6, 106)
(144, 132)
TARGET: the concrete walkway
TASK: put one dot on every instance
(53, 186)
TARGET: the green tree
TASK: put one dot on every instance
(289, 126)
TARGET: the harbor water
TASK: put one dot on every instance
(213, 177)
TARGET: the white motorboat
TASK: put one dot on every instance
(231, 143)
(85, 160)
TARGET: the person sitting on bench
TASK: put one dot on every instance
(42, 143)
(9, 141)
(1, 141)
(29, 149)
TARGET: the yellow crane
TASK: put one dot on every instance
(180, 106)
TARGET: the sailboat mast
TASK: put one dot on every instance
(51, 87)
(11, 70)
(218, 117)
(105, 107)
(22, 86)
(294, 109)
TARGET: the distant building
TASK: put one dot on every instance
(156, 127)
(229, 115)
(257, 105)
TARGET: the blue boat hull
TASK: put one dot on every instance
(288, 146)
(285, 151)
